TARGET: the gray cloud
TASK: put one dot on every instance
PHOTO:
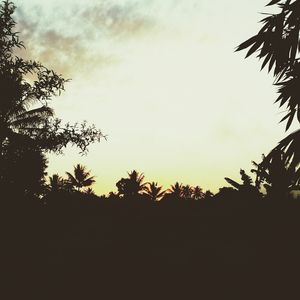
(73, 42)
(117, 20)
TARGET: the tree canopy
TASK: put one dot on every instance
(28, 126)
(25, 111)
(277, 44)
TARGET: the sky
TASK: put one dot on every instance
(161, 79)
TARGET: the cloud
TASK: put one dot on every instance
(117, 20)
(80, 38)
(64, 54)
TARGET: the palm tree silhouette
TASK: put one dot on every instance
(23, 109)
(154, 191)
(17, 119)
(56, 183)
(198, 193)
(19, 122)
(187, 192)
(90, 192)
(137, 178)
(82, 177)
(175, 190)
(133, 185)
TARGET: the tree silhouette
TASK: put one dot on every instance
(247, 185)
(175, 190)
(154, 191)
(25, 108)
(27, 122)
(82, 178)
(131, 186)
(22, 170)
(197, 193)
(247, 181)
(90, 191)
(278, 44)
(208, 195)
(277, 176)
(56, 183)
(138, 178)
(187, 192)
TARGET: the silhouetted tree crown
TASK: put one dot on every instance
(28, 127)
(25, 110)
(131, 186)
(81, 178)
(278, 178)
(175, 190)
(277, 44)
(56, 183)
(154, 191)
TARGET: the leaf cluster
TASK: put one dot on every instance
(27, 88)
(277, 44)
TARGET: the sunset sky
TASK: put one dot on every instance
(162, 80)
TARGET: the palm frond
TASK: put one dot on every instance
(233, 183)
(72, 179)
(89, 181)
(31, 121)
(44, 111)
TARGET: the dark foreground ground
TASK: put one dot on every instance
(91, 249)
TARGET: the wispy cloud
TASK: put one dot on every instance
(82, 40)
(117, 20)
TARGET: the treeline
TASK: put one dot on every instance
(59, 240)
(277, 181)
(72, 243)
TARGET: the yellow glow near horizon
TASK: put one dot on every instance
(162, 81)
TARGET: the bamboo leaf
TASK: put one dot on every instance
(254, 47)
(247, 43)
(290, 120)
(273, 2)
(233, 183)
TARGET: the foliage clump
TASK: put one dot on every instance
(28, 126)
(277, 44)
